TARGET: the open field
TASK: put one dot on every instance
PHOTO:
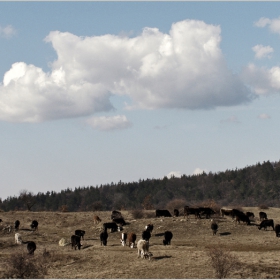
(186, 257)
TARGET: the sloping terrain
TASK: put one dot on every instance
(186, 257)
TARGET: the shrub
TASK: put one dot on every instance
(222, 261)
(175, 204)
(263, 206)
(25, 266)
(137, 214)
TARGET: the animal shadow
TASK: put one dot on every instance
(161, 257)
(159, 234)
(225, 233)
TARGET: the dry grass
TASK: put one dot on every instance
(257, 250)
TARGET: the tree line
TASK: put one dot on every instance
(250, 186)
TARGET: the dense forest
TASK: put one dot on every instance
(254, 185)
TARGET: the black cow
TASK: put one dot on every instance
(17, 223)
(113, 226)
(236, 212)
(250, 215)
(163, 213)
(149, 227)
(1, 221)
(146, 235)
(176, 212)
(103, 237)
(206, 211)
(262, 216)
(34, 225)
(116, 215)
(31, 247)
(76, 242)
(243, 218)
(167, 237)
(119, 221)
(266, 223)
(80, 233)
(191, 211)
(214, 227)
(277, 230)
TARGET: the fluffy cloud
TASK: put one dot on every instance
(182, 69)
(174, 173)
(7, 31)
(264, 116)
(273, 24)
(262, 51)
(198, 171)
(262, 80)
(109, 123)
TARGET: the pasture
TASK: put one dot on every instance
(186, 257)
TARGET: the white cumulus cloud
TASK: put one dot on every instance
(262, 80)
(174, 173)
(182, 69)
(109, 123)
(273, 24)
(262, 51)
(7, 31)
(198, 171)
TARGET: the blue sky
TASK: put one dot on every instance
(97, 92)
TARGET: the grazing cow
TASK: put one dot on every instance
(143, 249)
(214, 227)
(119, 221)
(96, 219)
(18, 239)
(80, 233)
(176, 212)
(131, 237)
(225, 212)
(262, 216)
(277, 230)
(146, 235)
(76, 242)
(266, 223)
(250, 215)
(163, 213)
(103, 237)
(207, 211)
(123, 238)
(242, 217)
(113, 226)
(34, 225)
(7, 229)
(236, 212)
(17, 223)
(191, 211)
(116, 214)
(1, 221)
(149, 227)
(167, 237)
(31, 247)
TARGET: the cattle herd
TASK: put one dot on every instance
(143, 244)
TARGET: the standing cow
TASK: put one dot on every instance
(103, 237)
(76, 242)
(167, 237)
(143, 249)
(131, 237)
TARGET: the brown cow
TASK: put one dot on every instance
(96, 219)
(131, 237)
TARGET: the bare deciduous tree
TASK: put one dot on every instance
(223, 261)
(27, 198)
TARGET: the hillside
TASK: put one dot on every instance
(250, 186)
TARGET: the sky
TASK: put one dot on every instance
(99, 92)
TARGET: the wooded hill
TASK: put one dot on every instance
(254, 185)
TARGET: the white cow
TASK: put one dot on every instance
(143, 249)
(18, 239)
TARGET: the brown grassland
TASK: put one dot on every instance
(257, 250)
